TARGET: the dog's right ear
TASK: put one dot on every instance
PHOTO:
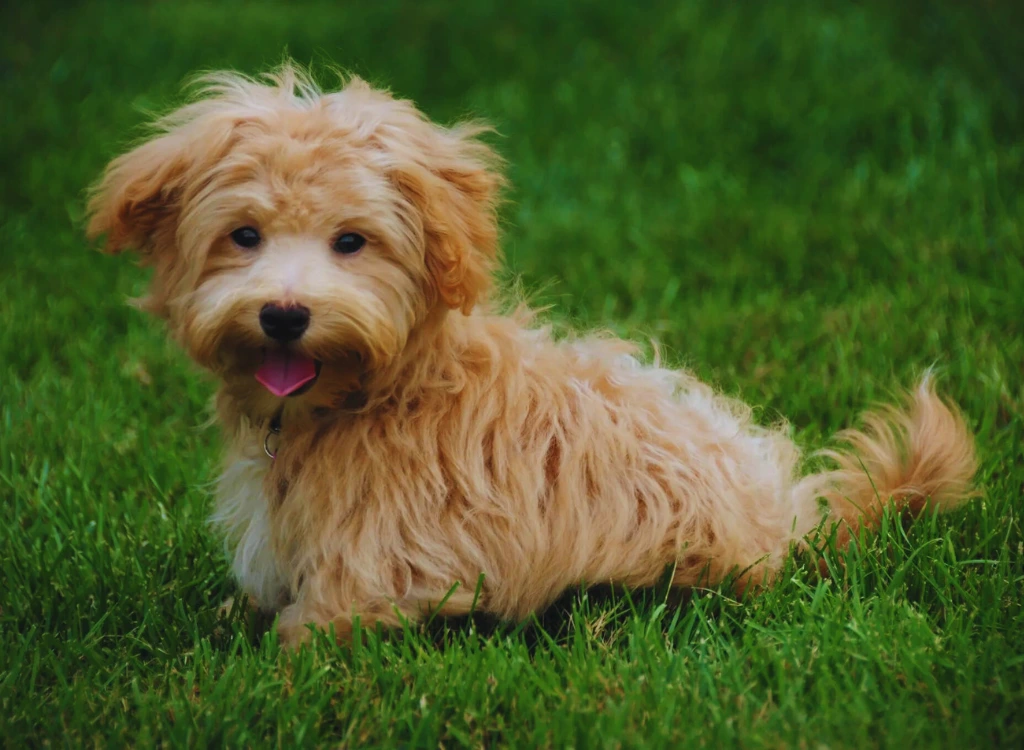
(136, 202)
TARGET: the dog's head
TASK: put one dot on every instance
(292, 231)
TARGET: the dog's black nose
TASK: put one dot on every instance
(284, 323)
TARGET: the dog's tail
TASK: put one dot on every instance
(911, 456)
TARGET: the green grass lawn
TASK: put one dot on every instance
(805, 202)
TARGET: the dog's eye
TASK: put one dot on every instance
(349, 243)
(246, 237)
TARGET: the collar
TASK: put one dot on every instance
(354, 401)
(274, 428)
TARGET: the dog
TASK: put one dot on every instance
(396, 446)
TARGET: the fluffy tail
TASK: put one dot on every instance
(909, 456)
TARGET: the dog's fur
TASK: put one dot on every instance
(442, 440)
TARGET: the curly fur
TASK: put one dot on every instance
(443, 440)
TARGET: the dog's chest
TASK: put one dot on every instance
(243, 514)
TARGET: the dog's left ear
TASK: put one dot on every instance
(138, 194)
(137, 203)
(454, 180)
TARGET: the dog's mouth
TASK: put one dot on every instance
(285, 372)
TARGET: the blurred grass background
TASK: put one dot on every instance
(806, 202)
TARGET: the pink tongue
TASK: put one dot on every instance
(284, 371)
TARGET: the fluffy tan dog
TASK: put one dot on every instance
(329, 258)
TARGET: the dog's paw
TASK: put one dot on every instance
(295, 628)
(292, 636)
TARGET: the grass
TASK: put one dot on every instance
(806, 202)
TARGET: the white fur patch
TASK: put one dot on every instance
(243, 516)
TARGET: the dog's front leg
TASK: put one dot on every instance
(337, 608)
(339, 603)
(295, 625)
